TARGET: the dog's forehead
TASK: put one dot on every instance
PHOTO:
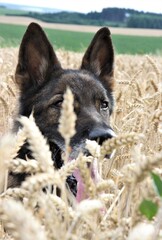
(80, 81)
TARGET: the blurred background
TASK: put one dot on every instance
(136, 26)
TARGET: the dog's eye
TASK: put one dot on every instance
(104, 105)
(57, 102)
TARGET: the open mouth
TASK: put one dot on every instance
(74, 181)
(58, 163)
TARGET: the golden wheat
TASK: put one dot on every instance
(112, 208)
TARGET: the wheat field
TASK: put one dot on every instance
(112, 209)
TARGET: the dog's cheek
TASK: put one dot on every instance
(52, 116)
(47, 118)
(106, 117)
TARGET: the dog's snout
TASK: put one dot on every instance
(100, 135)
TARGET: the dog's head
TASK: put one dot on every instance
(43, 82)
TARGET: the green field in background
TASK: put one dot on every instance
(11, 35)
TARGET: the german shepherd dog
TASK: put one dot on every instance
(43, 82)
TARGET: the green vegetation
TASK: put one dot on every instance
(137, 44)
(117, 17)
(145, 21)
(149, 208)
(11, 35)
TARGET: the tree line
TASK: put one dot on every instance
(117, 17)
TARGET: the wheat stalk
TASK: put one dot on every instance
(67, 120)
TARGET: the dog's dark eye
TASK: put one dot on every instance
(57, 101)
(104, 105)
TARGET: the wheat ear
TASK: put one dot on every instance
(20, 166)
(6, 107)
(152, 62)
(85, 175)
(20, 222)
(69, 168)
(16, 193)
(7, 148)
(125, 139)
(37, 144)
(19, 141)
(93, 147)
(67, 120)
(41, 180)
(137, 172)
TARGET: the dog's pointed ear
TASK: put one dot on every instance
(99, 58)
(36, 58)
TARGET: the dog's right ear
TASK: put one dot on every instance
(99, 58)
(36, 58)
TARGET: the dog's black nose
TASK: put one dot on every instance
(100, 135)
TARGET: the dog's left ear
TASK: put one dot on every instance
(99, 58)
(37, 58)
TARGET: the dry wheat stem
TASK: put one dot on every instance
(112, 205)
(133, 80)
(158, 223)
(84, 208)
(10, 90)
(55, 219)
(154, 85)
(107, 198)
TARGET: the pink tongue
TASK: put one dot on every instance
(80, 186)
(81, 194)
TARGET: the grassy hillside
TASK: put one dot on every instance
(11, 35)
